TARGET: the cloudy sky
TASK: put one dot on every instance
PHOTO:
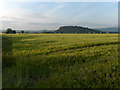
(52, 15)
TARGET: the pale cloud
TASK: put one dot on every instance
(10, 11)
(16, 17)
(45, 16)
(55, 9)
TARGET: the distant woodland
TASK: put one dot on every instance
(76, 29)
(62, 29)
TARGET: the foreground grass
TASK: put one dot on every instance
(60, 60)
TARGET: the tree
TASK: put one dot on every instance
(14, 32)
(22, 31)
(8, 31)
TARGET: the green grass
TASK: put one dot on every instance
(60, 61)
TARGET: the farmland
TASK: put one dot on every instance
(60, 60)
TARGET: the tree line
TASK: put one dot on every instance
(62, 29)
(10, 31)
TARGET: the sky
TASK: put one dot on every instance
(52, 15)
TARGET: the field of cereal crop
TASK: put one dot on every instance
(60, 60)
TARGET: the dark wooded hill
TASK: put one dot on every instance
(76, 29)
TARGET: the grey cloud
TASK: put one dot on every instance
(94, 25)
(9, 24)
(38, 23)
(36, 15)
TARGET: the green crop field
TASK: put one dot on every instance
(60, 61)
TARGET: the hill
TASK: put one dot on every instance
(75, 29)
(109, 29)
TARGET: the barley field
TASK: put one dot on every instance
(60, 61)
